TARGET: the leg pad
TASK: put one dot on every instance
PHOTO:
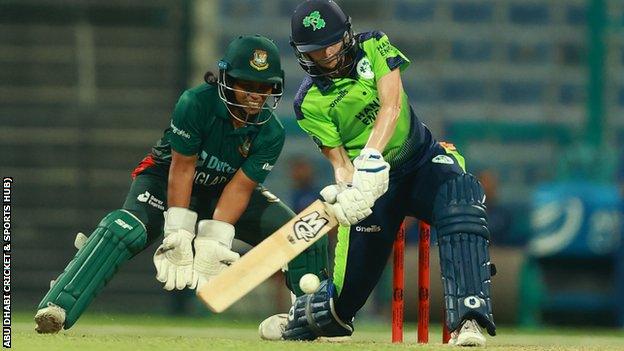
(463, 237)
(118, 237)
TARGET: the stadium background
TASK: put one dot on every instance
(530, 91)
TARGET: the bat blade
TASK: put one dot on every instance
(266, 258)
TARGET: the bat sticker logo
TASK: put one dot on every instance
(309, 226)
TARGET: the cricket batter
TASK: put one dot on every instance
(222, 142)
(387, 166)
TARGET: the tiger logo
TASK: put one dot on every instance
(259, 60)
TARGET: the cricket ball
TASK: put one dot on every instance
(309, 283)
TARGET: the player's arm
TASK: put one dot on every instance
(214, 236)
(235, 198)
(174, 257)
(372, 172)
(343, 168)
(389, 88)
(180, 182)
(347, 204)
(213, 243)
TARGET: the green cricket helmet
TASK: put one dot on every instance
(251, 58)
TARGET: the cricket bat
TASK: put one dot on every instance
(268, 257)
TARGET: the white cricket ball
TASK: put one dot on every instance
(309, 283)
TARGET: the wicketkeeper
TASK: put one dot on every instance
(221, 144)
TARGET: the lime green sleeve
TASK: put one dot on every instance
(383, 55)
(321, 129)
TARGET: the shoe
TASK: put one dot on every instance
(50, 319)
(336, 339)
(469, 334)
(273, 327)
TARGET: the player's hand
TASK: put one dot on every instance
(371, 174)
(212, 250)
(174, 257)
(348, 206)
(330, 192)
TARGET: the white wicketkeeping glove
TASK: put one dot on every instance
(174, 257)
(371, 174)
(212, 250)
(348, 205)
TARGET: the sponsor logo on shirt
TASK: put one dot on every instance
(179, 131)
(213, 162)
(267, 167)
(205, 164)
(207, 179)
(220, 166)
(443, 159)
(384, 48)
(369, 113)
(370, 229)
(341, 94)
(151, 200)
(364, 69)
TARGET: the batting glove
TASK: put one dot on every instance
(330, 192)
(348, 206)
(371, 174)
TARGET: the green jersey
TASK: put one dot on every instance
(342, 111)
(201, 125)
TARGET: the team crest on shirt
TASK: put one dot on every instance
(364, 69)
(243, 149)
(259, 60)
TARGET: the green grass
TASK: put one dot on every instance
(112, 332)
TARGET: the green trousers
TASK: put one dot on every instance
(263, 216)
(125, 232)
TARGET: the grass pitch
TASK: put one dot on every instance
(112, 332)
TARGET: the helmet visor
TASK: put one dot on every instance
(321, 67)
(247, 99)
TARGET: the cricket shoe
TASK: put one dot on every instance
(334, 339)
(469, 334)
(50, 319)
(273, 327)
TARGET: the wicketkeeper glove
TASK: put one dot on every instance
(212, 250)
(174, 257)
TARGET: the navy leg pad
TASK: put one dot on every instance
(314, 315)
(465, 264)
(463, 237)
